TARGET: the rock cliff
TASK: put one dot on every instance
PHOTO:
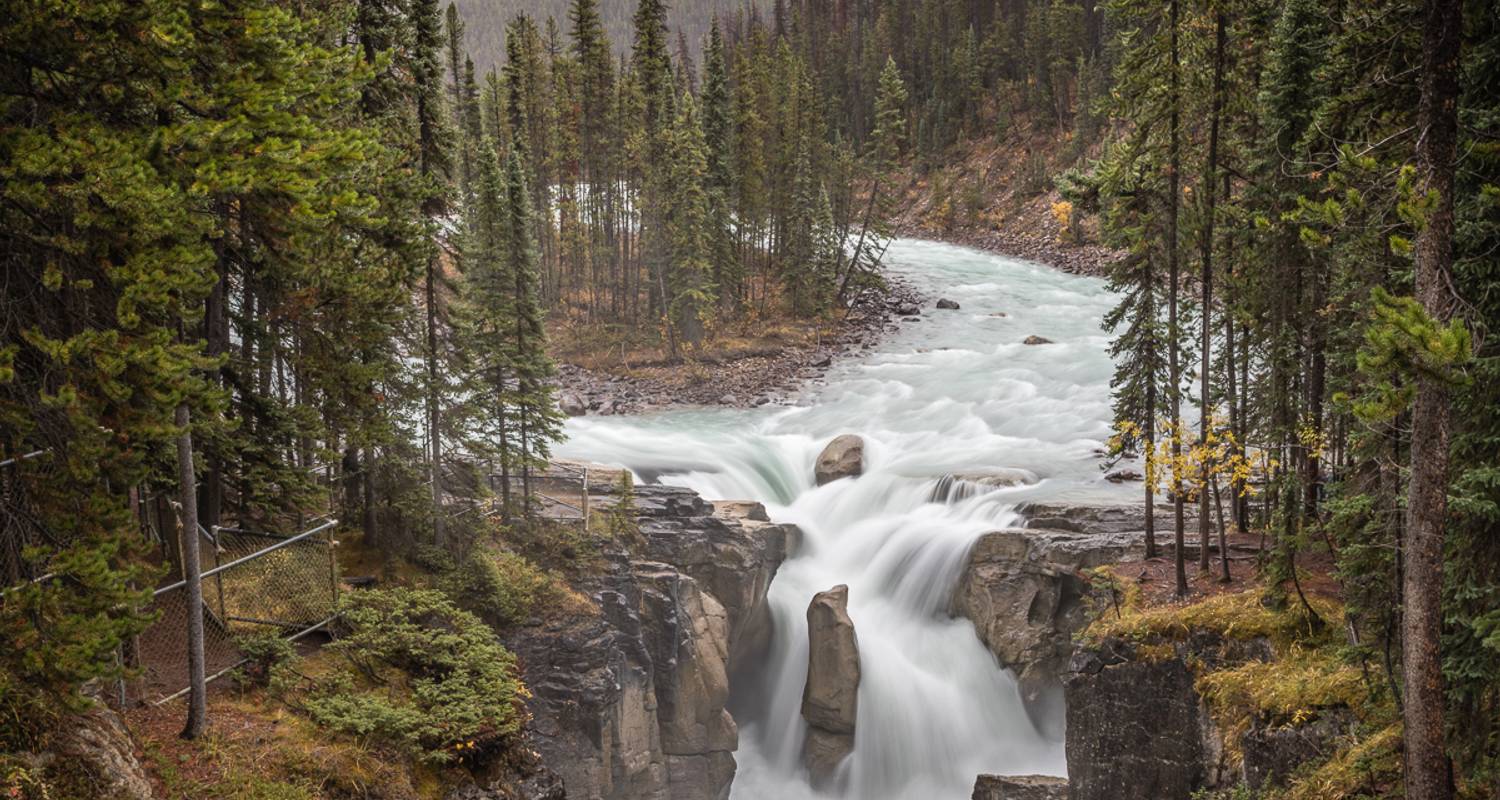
(630, 704)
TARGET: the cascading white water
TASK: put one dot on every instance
(956, 391)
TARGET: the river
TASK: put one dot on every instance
(954, 392)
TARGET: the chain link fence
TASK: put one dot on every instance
(21, 530)
(253, 583)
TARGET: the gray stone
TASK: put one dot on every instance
(947, 304)
(844, 457)
(830, 698)
(571, 404)
(1033, 339)
(98, 741)
(1020, 787)
(1135, 732)
(1273, 752)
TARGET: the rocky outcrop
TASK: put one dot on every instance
(1136, 729)
(844, 457)
(1022, 590)
(830, 698)
(631, 703)
(1271, 753)
(96, 742)
(1020, 787)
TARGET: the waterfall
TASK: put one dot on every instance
(955, 393)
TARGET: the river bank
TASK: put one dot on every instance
(1075, 259)
(752, 371)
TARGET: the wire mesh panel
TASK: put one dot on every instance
(253, 582)
(21, 530)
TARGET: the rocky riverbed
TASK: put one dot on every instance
(1075, 259)
(764, 376)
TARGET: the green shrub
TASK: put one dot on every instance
(432, 558)
(422, 676)
(264, 653)
(502, 588)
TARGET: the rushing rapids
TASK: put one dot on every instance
(955, 393)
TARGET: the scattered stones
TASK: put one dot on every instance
(908, 310)
(947, 304)
(844, 457)
(822, 362)
(1034, 339)
(728, 400)
(831, 695)
(1123, 475)
(608, 407)
(1000, 314)
(1087, 259)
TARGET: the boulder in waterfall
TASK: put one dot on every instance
(1020, 787)
(571, 404)
(947, 304)
(1034, 339)
(1123, 475)
(830, 697)
(844, 457)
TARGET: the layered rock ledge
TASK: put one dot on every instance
(632, 703)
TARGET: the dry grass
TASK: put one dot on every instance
(256, 749)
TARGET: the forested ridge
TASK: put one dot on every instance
(263, 258)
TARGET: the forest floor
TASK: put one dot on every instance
(760, 360)
(1156, 579)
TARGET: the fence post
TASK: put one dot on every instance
(333, 571)
(219, 577)
(585, 499)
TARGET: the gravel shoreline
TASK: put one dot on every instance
(772, 376)
(1087, 259)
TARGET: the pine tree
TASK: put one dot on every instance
(718, 127)
(538, 420)
(686, 215)
(890, 135)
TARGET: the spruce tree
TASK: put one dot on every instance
(686, 216)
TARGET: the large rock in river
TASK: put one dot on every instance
(830, 698)
(844, 457)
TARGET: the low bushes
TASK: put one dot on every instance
(420, 675)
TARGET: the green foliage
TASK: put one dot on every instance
(500, 587)
(265, 654)
(1405, 343)
(423, 677)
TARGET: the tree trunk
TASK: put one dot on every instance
(434, 432)
(197, 718)
(1174, 366)
(1211, 184)
(1426, 768)
(368, 522)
